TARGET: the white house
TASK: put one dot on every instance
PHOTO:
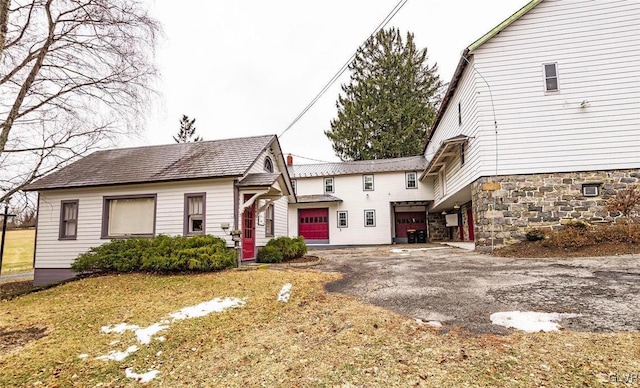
(363, 202)
(541, 121)
(209, 187)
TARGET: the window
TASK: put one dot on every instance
(268, 225)
(591, 189)
(462, 155)
(369, 218)
(68, 220)
(442, 182)
(367, 182)
(551, 77)
(411, 180)
(459, 113)
(125, 216)
(268, 164)
(343, 219)
(194, 214)
(294, 185)
(328, 185)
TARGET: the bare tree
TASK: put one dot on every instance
(4, 17)
(74, 74)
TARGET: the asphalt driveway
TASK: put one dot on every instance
(462, 288)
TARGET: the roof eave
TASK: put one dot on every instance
(505, 23)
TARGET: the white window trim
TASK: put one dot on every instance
(442, 180)
(364, 182)
(270, 224)
(595, 186)
(406, 180)
(333, 185)
(544, 78)
(346, 218)
(294, 185)
(372, 211)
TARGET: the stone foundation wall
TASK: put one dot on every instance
(437, 227)
(506, 207)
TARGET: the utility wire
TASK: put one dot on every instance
(344, 67)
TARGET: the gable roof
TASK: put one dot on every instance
(409, 163)
(196, 160)
(464, 61)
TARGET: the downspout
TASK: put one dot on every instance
(35, 240)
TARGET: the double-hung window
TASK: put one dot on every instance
(369, 218)
(269, 226)
(343, 219)
(129, 216)
(194, 214)
(550, 77)
(411, 180)
(68, 220)
(367, 182)
(328, 185)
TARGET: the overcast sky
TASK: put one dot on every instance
(249, 67)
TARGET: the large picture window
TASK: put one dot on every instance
(129, 216)
(194, 214)
(68, 220)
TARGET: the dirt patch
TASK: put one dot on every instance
(11, 339)
(527, 249)
(304, 259)
(11, 288)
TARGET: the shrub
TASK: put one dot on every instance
(269, 254)
(291, 248)
(159, 254)
(535, 235)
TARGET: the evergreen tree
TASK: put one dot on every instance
(389, 103)
(187, 131)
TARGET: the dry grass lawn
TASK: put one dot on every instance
(18, 251)
(316, 339)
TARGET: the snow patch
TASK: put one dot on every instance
(206, 308)
(285, 293)
(83, 356)
(118, 356)
(119, 328)
(144, 335)
(530, 321)
(420, 321)
(141, 377)
(409, 250)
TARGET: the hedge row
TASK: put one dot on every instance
(282, 248)
(162, 254)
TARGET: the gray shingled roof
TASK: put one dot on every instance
(317, 198)
(204, 159)
(260, 179)
(410, 163)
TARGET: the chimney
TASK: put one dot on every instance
(289, 160)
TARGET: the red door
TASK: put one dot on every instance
(409, 220)
(313, 225)
(472, 236)
(249, 231)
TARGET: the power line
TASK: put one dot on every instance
(344, 67)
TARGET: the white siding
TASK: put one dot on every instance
(388, 187)
(595, 44)
(54, 253)
(458, 176)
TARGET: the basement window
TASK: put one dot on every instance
(591, 189)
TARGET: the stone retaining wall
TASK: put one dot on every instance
(506, 207)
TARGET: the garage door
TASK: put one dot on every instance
(409, 220)
(313, 225)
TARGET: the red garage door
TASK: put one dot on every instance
(409, 220)
(313, 225)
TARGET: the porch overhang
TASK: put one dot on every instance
(317, 198)
(262, 186)
(446, 150)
